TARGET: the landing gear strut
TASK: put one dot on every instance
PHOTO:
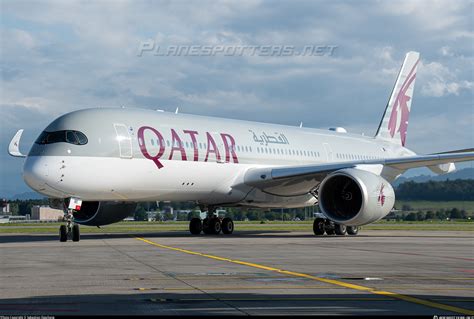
(70, 230)
(323, 225)
(212, 224)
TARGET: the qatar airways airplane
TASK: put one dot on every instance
(98, 163)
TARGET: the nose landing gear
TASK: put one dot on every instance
(70, 230)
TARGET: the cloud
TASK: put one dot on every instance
(441, 81)
(59, 56)
(439, 128)
(433, 15)
(20, 38)
(446, 51)
(439, 88)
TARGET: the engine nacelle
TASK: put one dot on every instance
(355, 197)
(103, 213)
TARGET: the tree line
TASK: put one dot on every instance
(442, 214)
(449, 190)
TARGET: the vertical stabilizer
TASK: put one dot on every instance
(394, 124)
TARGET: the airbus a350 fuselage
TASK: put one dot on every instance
(143, 155)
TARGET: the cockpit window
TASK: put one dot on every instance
(81, 138)
(55, 137)
(71, 137)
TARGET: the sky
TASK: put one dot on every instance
(60, 56)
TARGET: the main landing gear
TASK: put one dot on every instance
(70, 230)
(211, 225)
(322, 225)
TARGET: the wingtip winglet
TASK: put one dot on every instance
(14, 146)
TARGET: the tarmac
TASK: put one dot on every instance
(247, 273)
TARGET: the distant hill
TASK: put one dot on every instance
(466, 173)
(27, 195)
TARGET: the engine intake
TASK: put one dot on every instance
(355, 197)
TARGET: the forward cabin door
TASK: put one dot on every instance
(124, 140)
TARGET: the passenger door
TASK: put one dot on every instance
(124, 140)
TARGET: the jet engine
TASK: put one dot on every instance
(354, 197)
(103, 213)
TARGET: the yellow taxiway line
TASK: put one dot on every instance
(395, 295)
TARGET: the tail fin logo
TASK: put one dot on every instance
(400, 105)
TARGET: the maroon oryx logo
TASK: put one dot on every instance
(381, 198)
(400, 105)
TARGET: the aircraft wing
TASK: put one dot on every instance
(303, 179)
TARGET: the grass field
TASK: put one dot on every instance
(146, 227)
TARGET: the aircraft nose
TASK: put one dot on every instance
(35, 172)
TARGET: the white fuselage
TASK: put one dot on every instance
(141, 155)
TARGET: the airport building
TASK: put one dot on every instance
(5, 207)
(46, 213)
